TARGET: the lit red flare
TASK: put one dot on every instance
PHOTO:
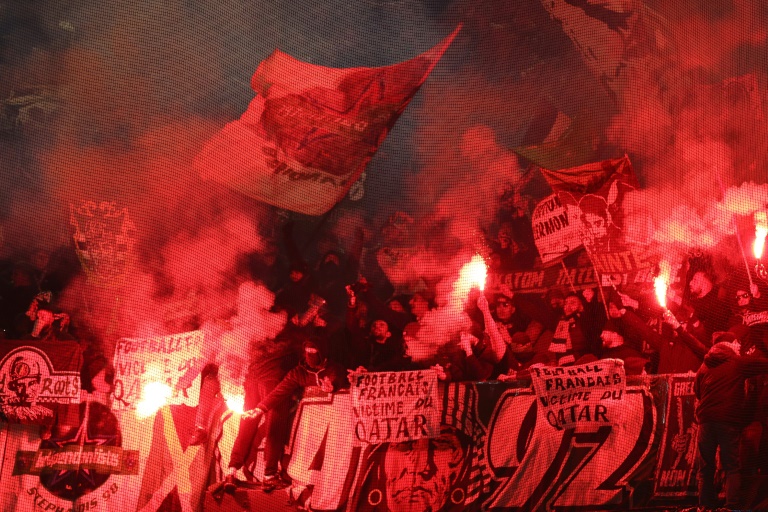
(474, 273)
(661, 283)
(154, 392)
(471, 275)
(154, 395)
(761, 230)
(235, 403)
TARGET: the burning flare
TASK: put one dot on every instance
(154, 392)
(474, 273)
(471, 275)
(661, 283)
(231, 383)
(761, 229)
(235, 403)
(154, 395)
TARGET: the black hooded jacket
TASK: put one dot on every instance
(303, 376)
(719, 385)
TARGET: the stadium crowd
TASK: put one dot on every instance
(338, 314)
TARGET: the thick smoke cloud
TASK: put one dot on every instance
(133, 92)
(123, 96)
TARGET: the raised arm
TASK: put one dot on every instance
(497, 344)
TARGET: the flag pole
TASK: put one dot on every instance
(744, 257)
(568, 276)
(738, 236)
(599, 283)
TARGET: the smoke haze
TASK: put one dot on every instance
(120, 97)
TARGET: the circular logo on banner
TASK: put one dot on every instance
(23, 375)
(82, 459)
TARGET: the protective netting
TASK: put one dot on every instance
(383, 255)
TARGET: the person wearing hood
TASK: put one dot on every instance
(721, 411)
(749, 318)
(749, 321)
(315, 369)
(295, 295)
(710, 312)
(331, 278)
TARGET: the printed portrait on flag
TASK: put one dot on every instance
(328, 142)
(598, 230)
(24, 380)
(39, 381)
(600, 212)
(396, 480)
(393, 477)
(585, 210)
(311, 130)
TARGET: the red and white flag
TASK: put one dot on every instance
(311, 130)
(619, 41)
(585, 209)
(586, 179)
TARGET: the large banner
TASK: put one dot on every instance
(39, 381)
(311, 130)
(93, 465)
(544, 468)
(578, 278)
(617, 259)
(676, 472)
(111, 461)
(597, 219)
(395, 406)
(585, 209)
(586, 394)
(496, 451)
(162, 359)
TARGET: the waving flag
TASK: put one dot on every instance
(311, 130)
(618, 40)
(585, 209)
(571, 141)
(625, 45)
(586, 178)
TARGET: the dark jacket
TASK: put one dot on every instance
(719, 385)
(712, 312)
(679, 351)
(302, 376)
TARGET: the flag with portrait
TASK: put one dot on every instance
(311, 130)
